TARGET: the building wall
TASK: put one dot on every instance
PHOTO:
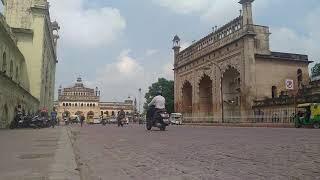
(32, 26)
(270, 72)
(14, 80)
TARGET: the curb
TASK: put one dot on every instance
(64, 166)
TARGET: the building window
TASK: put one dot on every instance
(274, 92)
(4, 63)
(17, 74)
(63, 104)
(11, 68)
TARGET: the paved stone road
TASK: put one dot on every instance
(197, 153)
(37, 154)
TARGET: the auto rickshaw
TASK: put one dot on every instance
(308, 114)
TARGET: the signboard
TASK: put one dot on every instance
(289, 84)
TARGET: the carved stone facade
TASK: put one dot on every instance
(230, 68)
(80, 99)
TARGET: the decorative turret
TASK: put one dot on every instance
(176, 47)
(247, 11)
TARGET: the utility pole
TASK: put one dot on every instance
(140, 100)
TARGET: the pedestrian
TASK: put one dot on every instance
(121, 117)
(53, 117)
(81, 119)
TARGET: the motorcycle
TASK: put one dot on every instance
(160, 120)
(104, 122)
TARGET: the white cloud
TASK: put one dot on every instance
(286, 39)
(151, 52)
(184, 6)
(81, 27)
(168, 71)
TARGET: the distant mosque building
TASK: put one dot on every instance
(79, 99)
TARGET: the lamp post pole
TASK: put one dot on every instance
(221, 91)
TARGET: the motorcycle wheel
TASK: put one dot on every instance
(149, 125)
(162, 128)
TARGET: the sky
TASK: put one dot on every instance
(123, 45)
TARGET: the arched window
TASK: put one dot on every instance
(11, 69)
(76, 104)
(274, 92)
(4, 63)
(112, 113)
(17, 74)
(63, 104)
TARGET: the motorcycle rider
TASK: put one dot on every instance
(157, 103)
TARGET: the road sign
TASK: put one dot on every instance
(289, 84)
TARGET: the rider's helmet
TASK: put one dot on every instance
(159, 93)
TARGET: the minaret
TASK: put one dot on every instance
(247, 11)
(176, 47)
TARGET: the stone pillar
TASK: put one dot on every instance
(248, 81)
(247, 11)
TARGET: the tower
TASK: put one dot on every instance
(176, 47)
(247, 11)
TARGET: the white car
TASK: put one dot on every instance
(96, 121)
(176, 118)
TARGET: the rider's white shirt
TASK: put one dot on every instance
(159, 102)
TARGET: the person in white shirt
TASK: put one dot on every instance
(157, 103)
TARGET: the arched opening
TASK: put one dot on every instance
(17, 74)
(231, 84)
(4, 63)
(78, 113)
(11, 69)
(127, 113)
(106, 113)
(5, 114)
(187, 98)
(66, 114)
(299, 78)
(274, 92)
(112, 113)
(205, 96)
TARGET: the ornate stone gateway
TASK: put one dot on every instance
(222, 74)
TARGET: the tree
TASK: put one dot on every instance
(315, 71)
(167, 88)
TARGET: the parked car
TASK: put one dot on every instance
(96, 120)
(113, 121)
(176, 118)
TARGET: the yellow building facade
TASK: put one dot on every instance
(37, 39)
(28, 59)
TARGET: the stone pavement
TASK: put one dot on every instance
(37, 154)
(185, 152)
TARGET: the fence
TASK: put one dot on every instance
(279, 115)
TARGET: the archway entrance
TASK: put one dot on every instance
(78, 113)
(90, 114)
(5, 118)
(231, 95)
(187, 98)
(205, 96)
(66, 114)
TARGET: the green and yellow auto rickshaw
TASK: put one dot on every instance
(308, 114)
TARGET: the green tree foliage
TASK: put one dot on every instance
(167, 88)
(315, 71)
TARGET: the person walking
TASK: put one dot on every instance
(53, 117)
(81, 119)
(121, 117)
